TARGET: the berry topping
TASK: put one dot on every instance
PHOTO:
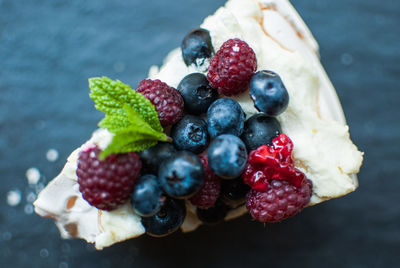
(231, 68)
(260, 129)
(181, 175)
(152, 157)
(190, 134)
(209, 193)
(147, 196)
(167, 100)
(197, 93)
(214, 214)
(233, 192)
(167, 220)
(227, 156)
(109, 183)
(225, 116)
(279, 201)
(268, 93)
(197, 47)
(272, 163)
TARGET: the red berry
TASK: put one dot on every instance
(231, 68)
(167, 100)
(209, 192)
(281, 200)
(109, 183)
(272, 162)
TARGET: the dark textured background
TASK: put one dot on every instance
(48, 49)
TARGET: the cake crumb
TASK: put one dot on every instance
(52, 155)
(14, 198)
(33, 175)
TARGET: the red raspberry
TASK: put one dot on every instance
(281, 200)
(272, 162)
(167, 100)
(231, 68)
(209, 193)
(109, 183)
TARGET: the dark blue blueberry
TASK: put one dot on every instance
(260, 129)
(190, 134)
(268, 93)
(181, 175)
(225, 116)
(197, 93)
(147, 197)
(214, 214)
(197, 47)
(152, 157)
(167, 220)
(227, 156)
(233, 192)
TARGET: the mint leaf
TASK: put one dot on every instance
(110, 96)
(129, 116)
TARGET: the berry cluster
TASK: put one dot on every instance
(279, 190)
(218, 160)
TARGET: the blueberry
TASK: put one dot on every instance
(268, 93)
(190, 134)
(197, 93)
(181, 175)
(233, 192)
(225, 116)
(260, 129)
(152, 157)
(197, 47)
(147, 197)
(214, 214)
(167, 220)
(227, 156)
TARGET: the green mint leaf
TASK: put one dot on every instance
(110, 96)
(129, 116)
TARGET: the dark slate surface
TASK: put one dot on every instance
(48, 49)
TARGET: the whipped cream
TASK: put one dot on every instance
(314, 121)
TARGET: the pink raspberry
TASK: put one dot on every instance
(231, 68)
(209, 192)
(281, 200)
(167, 100)
(272, 162)
(109, 183)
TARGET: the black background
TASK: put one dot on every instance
(48, 49)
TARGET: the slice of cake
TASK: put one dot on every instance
(241, 118)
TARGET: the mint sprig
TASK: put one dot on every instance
(129, 116)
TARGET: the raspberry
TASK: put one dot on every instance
(281, 200)
(167, 100)
(272, 162)
(231, 68)
(109, 183)
(209, 192)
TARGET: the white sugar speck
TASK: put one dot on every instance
(33, 175)
(44, 253)
(346, 59)
(63, 265)
(236, 48)
(52, 155)
(28, 209)
(7, 236)
(14, 198)
(31, 197)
